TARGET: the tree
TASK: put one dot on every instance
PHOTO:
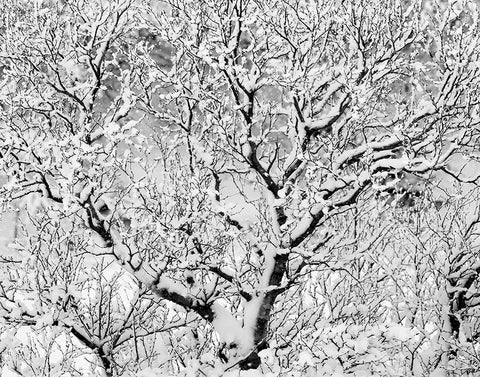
(222, 154)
